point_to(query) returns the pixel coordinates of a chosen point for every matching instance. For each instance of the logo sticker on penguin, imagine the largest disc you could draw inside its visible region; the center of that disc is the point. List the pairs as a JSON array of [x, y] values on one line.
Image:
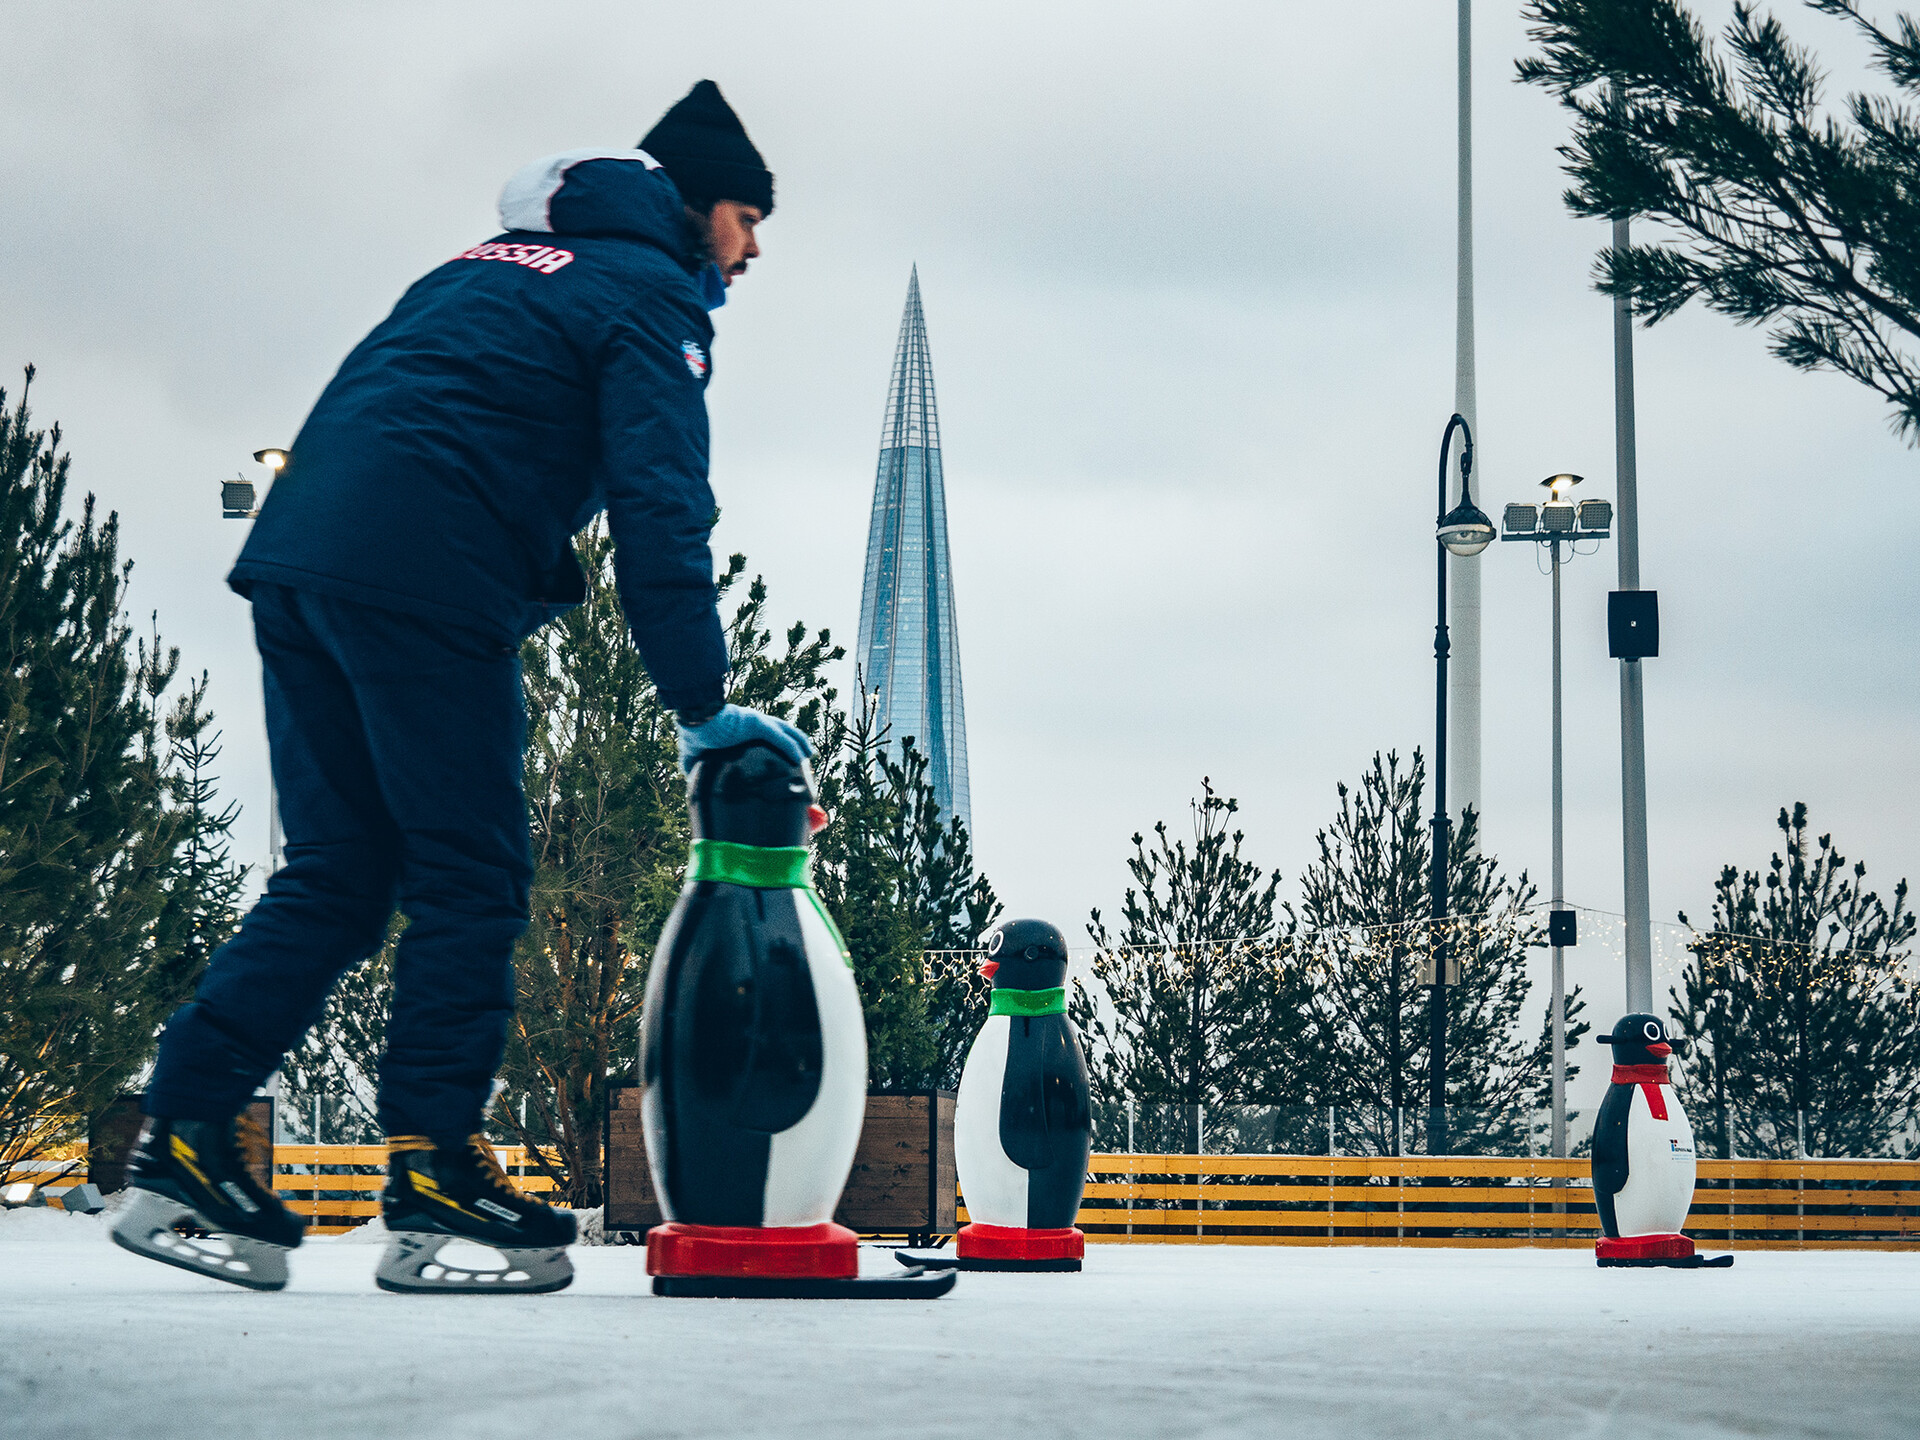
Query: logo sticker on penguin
[[695, 357]]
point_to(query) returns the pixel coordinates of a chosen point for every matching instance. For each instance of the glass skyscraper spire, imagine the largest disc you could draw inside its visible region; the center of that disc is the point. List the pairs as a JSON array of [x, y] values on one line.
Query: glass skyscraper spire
[[909, 647]]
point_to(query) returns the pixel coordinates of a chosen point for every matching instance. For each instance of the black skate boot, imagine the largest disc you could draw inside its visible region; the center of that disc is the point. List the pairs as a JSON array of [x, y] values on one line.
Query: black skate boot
[[195, 1171], [451, 1190]]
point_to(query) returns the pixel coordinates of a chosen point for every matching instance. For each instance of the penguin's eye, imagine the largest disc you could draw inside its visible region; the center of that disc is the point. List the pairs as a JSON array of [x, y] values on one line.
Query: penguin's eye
[[999, 939], [1651, 1029], [1032, 952]]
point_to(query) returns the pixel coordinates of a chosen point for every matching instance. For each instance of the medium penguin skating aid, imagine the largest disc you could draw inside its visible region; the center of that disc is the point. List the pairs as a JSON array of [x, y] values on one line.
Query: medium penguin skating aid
[[1022, 1127], [1643, 1156], [754, 1055]]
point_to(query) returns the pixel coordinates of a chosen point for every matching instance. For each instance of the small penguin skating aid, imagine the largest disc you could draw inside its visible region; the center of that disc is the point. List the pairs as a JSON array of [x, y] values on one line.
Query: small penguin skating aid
[[754, 1056], [1023, 1124], [1643, 1157]]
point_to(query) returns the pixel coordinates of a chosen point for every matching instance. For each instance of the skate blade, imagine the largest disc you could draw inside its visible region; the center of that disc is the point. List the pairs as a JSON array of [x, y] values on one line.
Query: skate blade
[[412, 1266], [146, 1228], [914, 1285], [1065, 1265]]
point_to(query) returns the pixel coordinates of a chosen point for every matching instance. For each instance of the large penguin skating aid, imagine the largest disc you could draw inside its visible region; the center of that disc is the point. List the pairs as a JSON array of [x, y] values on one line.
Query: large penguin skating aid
[[1022, 1127], [1643, 1156], [754, 1055]]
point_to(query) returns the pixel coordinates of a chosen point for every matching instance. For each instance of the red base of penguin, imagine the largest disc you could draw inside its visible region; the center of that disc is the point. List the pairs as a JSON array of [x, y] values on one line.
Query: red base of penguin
[[812, 1252], [1644, 1251], [778, 1262], [1643, 1247], [1006, 1247], [1005, 1242]]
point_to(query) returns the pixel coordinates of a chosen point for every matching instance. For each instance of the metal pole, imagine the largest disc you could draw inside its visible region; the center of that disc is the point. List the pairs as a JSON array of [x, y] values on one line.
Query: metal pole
[[1559, 888], [1465, 616], [1442, 821], [1633, 724]]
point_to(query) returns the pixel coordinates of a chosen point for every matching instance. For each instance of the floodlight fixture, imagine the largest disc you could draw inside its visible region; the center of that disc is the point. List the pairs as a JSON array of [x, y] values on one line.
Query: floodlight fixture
[[272, 457], [1558, 518], [21, 1192], [1596, 516], [1522, 519], [236, 499], [1558, 485]]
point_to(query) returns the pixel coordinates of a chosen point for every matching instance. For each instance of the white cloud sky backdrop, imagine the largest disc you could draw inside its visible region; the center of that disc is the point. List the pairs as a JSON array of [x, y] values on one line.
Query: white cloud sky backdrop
[[1189, 286]]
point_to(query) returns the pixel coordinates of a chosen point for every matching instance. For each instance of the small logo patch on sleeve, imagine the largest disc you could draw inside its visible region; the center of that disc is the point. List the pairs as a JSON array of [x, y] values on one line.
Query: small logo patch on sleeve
[[695, 357], [544, 258]]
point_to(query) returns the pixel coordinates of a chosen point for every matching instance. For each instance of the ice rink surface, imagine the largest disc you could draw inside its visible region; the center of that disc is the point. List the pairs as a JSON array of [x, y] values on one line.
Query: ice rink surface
[[1160, 1341]]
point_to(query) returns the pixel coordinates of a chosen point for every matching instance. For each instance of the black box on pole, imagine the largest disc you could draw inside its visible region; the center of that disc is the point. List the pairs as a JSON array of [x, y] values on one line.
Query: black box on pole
[[1633, 624], [1563, 929]]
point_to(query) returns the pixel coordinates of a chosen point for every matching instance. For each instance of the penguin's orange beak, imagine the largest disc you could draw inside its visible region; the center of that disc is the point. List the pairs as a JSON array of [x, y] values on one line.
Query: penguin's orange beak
[[1662, 1049], [989, 967], [816, 819]]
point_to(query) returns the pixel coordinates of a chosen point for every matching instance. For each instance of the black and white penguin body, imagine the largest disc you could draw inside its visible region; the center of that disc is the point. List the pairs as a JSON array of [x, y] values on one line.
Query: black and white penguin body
[[753, 1047], [1643, 1152], [1022, 1126]]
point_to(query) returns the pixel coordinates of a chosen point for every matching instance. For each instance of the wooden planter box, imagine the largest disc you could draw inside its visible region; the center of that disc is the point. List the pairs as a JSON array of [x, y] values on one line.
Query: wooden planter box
[[631, 1203], [903, 1180]]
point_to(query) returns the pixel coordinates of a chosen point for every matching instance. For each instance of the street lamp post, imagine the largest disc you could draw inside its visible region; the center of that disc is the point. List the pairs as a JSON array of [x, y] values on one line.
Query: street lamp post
[[1559, 521], [1463, 530], [238, 501]]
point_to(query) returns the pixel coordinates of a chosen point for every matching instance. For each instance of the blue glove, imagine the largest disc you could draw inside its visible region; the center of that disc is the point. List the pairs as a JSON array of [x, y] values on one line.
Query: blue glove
[[735, 725]]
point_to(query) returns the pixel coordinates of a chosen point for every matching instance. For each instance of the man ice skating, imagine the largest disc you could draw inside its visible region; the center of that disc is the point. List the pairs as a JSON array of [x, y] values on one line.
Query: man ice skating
[[421, 529]]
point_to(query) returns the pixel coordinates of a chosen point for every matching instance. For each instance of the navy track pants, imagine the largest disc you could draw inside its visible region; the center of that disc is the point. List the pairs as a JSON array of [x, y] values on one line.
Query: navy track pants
[[398, 750]]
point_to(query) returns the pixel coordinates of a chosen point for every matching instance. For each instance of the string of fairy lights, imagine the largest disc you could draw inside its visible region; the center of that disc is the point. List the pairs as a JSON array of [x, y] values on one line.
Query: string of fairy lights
[[1760, 963]]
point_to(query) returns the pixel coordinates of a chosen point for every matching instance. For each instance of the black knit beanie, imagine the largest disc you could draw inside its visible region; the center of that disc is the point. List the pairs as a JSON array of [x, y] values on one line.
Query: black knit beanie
[[704, 149]]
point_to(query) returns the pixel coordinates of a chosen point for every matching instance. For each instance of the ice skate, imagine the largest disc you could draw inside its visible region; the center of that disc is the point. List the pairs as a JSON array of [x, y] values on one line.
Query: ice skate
[[455, 1193], [194, 1171]]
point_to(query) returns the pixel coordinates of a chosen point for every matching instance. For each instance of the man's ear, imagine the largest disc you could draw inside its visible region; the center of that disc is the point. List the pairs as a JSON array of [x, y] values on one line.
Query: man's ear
[[697, 228]]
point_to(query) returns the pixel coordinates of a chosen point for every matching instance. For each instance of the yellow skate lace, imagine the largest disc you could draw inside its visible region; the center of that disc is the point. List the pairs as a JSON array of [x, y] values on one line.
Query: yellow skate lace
[[250, 1136], [490, 1165]]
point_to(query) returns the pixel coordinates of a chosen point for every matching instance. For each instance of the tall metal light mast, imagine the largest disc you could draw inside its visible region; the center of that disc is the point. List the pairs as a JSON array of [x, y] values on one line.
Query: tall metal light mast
[[1464, 595], [1633, 715]]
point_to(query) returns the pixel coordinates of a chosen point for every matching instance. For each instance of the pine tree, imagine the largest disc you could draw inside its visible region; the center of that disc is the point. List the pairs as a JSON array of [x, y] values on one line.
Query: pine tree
[[1799, 1008], [1776, 211], [1363, 929], [898, 876], [114, 879], [864, 873], [1191, 1006], [335, 1068], [202, 908]]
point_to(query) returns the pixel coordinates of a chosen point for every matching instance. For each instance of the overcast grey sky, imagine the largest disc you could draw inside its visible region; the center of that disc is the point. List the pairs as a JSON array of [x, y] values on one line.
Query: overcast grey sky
[[1189, 285]]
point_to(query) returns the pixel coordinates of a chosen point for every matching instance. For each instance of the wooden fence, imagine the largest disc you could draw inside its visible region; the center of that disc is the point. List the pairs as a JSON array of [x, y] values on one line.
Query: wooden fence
[[1314, 1200], [1468, 1201], [335, 1186]]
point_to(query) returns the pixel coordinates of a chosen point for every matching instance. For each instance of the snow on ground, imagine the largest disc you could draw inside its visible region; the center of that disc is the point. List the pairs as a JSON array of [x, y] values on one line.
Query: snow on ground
[[1152, 1341]]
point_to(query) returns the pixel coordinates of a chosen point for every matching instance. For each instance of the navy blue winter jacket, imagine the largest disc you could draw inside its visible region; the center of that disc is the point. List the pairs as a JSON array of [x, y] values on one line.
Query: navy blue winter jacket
[[513, 393]]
